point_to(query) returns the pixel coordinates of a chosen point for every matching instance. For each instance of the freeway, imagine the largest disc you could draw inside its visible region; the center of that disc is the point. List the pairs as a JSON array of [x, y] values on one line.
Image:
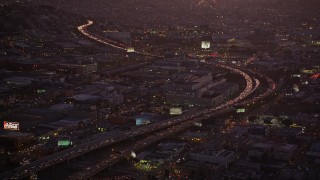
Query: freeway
[[224, 108], [109, 42], [103, 141], [184, 120], [272, 88], [114, 158], [188, 122], [109, 161]]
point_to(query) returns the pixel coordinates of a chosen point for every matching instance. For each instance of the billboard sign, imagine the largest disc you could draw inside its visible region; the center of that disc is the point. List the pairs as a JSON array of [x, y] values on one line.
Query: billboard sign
[[133, 154], [11, 125], [241, 110], [175, 111], [130, 49], [41, 91], [142, 121], [205, 44], [64, 143]]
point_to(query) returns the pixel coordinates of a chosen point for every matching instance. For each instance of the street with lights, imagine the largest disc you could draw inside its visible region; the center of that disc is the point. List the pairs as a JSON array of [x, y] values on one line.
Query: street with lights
[[163, 128], [147, 89]]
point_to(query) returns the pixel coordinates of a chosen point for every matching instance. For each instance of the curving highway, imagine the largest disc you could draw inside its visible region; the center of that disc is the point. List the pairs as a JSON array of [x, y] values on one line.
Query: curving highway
[[170, 126], [109, 42]]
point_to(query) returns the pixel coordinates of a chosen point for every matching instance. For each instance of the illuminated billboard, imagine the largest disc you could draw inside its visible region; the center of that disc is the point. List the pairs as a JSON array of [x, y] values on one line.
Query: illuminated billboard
[[133, 154], [11, 125], [142, 121], [41, 91], [205, 44], [130, 49], [175, 111], [242, 110], [64, 143]]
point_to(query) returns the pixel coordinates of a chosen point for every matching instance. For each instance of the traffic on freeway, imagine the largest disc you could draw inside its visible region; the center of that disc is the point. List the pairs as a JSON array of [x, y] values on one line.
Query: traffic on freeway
[[109, 42], [107, 139]]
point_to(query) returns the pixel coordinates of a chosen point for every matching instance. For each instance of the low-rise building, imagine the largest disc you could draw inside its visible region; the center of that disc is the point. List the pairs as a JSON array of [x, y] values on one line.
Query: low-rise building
[[314, 154], [261, 151], [285, 152], [194, 136], [78, 67], [222, 157]]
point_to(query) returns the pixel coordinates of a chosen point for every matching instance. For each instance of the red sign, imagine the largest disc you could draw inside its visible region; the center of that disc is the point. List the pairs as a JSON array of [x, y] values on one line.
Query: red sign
[[11, 125]]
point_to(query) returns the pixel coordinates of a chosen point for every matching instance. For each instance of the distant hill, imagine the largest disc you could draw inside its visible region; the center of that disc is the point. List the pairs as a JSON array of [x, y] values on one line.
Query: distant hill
[[170, 11], [63, 13]]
